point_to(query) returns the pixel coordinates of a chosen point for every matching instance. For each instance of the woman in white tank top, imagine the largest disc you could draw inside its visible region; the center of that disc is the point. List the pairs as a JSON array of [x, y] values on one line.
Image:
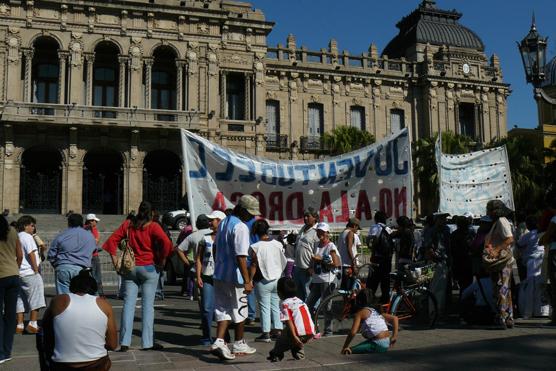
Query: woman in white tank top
[[79, 327]]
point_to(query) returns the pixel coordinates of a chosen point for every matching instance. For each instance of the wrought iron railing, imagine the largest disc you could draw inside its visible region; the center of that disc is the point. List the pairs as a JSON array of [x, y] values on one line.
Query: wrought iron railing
[[313, 144], [276, 142]]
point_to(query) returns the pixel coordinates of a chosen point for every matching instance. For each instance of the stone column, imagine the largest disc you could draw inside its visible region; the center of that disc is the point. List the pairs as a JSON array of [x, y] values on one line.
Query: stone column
[[192, 81], [72, 181], [10, 172], [28, 84], [133, 174], [179, 85], [62, 58], [148, 76], [121, 81], [247, 97], [89, 83], [223, 108], [77, 93]]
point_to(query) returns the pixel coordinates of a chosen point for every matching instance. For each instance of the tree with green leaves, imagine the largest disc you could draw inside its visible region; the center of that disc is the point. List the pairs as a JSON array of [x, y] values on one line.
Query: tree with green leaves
[[345, 139]]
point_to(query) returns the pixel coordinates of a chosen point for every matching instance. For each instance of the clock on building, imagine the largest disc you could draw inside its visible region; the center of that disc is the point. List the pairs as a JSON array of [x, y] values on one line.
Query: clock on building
[[466, 69]]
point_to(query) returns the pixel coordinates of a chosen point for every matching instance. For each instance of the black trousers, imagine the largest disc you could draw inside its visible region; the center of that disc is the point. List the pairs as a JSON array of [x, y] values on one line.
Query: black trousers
[[552, 276], [381, 275]]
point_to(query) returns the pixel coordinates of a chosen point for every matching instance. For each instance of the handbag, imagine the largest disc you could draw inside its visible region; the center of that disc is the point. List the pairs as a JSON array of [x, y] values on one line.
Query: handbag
[[496, 262], [126, 260]]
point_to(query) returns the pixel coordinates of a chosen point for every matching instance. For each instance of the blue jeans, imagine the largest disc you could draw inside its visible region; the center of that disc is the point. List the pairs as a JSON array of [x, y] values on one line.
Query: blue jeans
[[9, 287], [64, 274], [269, 305], [146, 278], [207, 302], [302, 279], [251, 306]]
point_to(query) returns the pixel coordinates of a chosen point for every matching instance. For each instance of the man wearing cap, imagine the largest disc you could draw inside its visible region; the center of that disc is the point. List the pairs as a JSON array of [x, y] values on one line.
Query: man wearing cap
[[232, 283], [348, 250], [70, 252], [91, 221]]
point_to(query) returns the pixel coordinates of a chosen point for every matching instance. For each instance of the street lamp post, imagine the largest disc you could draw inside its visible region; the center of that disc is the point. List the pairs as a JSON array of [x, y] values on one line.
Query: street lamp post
[[533, 55]]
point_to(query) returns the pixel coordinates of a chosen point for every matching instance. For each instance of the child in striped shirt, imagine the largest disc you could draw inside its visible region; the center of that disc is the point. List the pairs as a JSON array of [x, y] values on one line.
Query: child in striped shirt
[[298, 325]]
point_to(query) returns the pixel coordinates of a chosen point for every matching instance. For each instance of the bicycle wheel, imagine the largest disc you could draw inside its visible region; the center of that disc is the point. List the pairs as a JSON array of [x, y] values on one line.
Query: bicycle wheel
[[416, 308], [334, 313]]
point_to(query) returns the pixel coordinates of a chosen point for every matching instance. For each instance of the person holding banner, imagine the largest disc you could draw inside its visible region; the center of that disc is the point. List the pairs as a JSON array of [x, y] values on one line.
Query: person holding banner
[[306, 239], [326, 271], [232, 283]]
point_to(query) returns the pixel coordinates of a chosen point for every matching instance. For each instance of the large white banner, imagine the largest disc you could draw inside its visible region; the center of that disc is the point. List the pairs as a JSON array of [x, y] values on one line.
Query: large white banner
[[354, 184], [468, 181]]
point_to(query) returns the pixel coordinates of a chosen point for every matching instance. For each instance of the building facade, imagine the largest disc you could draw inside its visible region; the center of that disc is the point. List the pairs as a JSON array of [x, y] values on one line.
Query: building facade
[[92, 94]]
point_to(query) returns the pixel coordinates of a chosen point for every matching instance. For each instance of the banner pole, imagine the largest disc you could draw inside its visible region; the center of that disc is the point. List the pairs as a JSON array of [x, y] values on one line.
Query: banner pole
[[411, 179], [190, 204]]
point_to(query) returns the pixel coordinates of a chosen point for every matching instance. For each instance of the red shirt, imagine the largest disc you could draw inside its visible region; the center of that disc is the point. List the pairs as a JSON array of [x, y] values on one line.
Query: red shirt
[[95, 233], [141, 241]]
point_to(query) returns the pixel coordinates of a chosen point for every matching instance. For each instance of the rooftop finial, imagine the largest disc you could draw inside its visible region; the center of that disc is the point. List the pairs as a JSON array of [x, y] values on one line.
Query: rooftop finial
[[533, 22], [428, 4]]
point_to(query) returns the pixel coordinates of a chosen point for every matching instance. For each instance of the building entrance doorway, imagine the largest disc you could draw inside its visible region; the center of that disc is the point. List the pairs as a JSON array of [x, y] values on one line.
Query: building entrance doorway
[[162, 184], [40, 181], [103, 182]]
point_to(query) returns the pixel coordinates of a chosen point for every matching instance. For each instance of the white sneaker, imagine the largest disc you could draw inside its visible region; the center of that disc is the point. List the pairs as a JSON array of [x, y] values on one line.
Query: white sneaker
[[221, 350], [241, 347], [5, 360]]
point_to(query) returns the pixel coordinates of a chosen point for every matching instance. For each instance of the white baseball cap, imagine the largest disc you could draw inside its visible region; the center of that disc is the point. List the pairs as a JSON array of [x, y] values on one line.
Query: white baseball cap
[[323, 227], [92, 217], [216, 214]]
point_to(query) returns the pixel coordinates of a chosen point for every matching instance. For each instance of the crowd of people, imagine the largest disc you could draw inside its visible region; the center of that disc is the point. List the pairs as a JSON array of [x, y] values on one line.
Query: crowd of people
[[234, 263]]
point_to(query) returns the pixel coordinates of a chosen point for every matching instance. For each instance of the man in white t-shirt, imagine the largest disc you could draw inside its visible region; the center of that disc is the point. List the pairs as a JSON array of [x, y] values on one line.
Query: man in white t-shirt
[[31, 295], [232, 283]]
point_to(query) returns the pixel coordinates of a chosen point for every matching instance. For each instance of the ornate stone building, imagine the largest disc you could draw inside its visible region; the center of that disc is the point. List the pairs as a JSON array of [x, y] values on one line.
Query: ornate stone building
[[92, 94]]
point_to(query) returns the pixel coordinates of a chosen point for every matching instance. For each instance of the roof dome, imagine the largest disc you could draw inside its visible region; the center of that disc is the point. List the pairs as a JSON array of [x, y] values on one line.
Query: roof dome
[[428, 24]]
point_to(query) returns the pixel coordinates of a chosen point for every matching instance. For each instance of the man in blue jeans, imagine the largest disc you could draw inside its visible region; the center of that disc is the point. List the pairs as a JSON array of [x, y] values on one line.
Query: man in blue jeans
[[70, 252]]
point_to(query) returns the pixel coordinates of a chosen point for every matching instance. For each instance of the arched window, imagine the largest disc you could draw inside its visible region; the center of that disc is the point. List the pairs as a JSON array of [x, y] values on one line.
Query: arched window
[[105, 78], [163, 80], [45, 71], [316, 120], [272, 117], [357, 117], [397, 120]]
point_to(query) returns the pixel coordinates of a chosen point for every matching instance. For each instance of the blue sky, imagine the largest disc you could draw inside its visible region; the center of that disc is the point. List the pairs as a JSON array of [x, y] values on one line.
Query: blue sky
[[355, 24]]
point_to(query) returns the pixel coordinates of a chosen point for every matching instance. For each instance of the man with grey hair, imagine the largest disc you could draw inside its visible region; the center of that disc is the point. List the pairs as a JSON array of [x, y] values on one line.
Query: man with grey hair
[[304, 248], [232, 282]]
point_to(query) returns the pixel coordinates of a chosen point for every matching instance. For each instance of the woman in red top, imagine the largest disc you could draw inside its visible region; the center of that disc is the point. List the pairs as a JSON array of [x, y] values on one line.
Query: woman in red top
[[91, 225], [143, 235]]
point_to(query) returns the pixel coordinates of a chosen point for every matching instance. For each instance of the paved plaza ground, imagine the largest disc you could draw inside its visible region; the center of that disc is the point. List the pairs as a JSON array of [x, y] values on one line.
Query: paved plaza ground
[[449, 347]]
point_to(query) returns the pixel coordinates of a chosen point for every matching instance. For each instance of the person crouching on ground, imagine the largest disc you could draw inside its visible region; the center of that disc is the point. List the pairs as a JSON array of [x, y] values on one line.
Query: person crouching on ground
[[79, 328], [373, 328], [298, 325]]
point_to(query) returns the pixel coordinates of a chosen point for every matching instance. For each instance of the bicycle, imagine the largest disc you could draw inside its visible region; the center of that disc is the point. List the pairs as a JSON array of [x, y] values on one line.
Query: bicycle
[[338, 308], [413, 304]]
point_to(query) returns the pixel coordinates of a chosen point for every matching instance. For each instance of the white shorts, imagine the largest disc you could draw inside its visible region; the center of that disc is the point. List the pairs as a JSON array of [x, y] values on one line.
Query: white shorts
[[230, 303], [31, 293]]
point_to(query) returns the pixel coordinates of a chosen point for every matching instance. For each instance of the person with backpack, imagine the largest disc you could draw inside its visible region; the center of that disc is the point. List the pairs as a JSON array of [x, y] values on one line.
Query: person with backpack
[[382, 246]]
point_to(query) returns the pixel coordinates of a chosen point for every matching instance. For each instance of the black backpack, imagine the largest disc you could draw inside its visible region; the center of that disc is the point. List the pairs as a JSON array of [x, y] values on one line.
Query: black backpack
[[383, 245]]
